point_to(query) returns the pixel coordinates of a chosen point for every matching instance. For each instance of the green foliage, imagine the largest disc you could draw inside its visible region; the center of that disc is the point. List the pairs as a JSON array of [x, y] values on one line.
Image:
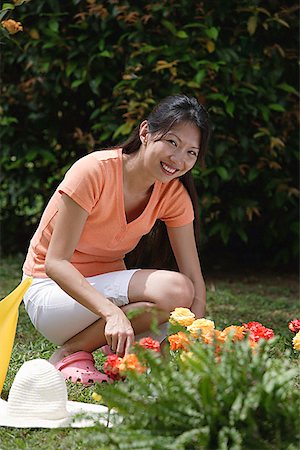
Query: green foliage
[[242, 400], [84, 73], [230, 301]]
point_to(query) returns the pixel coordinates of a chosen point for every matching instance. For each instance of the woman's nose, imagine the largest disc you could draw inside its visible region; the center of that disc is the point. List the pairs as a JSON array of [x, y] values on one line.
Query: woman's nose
[[178, 159]]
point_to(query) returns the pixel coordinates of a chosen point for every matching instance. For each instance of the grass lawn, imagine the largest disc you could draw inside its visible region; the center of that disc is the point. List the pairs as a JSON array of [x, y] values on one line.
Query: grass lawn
[[233, 298]]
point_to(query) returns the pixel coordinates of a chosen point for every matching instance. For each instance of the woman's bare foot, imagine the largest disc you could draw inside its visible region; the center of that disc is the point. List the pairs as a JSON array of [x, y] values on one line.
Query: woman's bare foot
[[58, 355]]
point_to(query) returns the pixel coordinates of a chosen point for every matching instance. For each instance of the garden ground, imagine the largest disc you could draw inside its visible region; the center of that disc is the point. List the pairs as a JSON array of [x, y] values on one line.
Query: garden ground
[[234, 297]]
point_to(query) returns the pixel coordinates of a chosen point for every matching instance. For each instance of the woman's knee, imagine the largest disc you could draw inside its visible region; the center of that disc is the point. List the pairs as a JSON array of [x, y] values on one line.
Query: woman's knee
[[166, 289], [181, 291]]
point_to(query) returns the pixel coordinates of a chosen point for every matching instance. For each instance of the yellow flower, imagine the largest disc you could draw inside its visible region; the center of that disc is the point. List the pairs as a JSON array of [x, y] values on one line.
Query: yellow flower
[[12, 26], [296, 341], [206, 326], [97, 397], [183, 316], [185, 356]]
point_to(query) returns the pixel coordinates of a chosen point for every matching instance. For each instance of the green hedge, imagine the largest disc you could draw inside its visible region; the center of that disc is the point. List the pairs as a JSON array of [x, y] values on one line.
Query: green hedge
[[83, 73]]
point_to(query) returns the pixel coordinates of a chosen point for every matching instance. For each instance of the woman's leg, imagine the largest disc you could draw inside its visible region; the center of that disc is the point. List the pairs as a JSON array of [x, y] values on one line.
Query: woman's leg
[[155, 292], [165, 289], [92, 337]]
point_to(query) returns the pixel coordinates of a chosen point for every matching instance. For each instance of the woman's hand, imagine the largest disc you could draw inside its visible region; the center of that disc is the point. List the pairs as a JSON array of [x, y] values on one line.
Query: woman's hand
[[119, 333]]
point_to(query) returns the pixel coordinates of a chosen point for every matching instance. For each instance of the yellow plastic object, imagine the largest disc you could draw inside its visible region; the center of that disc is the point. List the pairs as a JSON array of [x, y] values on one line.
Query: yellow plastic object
[[9, 313]]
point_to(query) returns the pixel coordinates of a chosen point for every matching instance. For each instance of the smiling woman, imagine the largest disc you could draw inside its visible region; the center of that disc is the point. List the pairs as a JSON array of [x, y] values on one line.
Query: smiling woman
[[82, 291]]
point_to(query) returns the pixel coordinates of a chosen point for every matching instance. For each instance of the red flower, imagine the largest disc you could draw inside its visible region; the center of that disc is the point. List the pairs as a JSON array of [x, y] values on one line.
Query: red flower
[[148, 342], [294, 325], [257, 331], [112, 367]]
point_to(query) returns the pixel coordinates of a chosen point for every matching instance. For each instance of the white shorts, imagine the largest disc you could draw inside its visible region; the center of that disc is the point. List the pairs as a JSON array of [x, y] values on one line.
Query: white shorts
[[59, 317]]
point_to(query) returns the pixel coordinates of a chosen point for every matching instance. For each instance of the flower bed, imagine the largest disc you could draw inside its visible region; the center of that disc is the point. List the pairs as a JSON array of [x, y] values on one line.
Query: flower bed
[[211, 389]]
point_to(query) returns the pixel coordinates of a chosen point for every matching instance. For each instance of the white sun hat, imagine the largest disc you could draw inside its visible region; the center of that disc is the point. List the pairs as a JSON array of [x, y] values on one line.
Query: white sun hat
[[38, 399]]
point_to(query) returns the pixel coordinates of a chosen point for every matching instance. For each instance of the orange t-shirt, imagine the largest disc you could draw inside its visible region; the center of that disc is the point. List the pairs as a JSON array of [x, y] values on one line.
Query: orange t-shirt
[[95, 182]]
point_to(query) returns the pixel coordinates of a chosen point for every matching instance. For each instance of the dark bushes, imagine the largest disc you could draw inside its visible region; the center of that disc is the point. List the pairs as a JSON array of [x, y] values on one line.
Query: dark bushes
[[83, 73]]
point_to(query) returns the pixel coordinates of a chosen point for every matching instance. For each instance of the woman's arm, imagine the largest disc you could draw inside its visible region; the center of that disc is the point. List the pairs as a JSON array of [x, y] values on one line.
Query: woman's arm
[[68, 227], [183, 244]]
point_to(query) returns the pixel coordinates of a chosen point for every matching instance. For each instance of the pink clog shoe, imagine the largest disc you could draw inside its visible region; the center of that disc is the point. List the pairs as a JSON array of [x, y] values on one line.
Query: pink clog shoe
[[80, 368]]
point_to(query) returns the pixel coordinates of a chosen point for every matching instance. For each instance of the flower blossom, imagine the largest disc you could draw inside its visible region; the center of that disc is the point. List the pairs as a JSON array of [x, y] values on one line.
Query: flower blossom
[[183, 316], [12, 26], [97, 397], [296, 341], [237, 333], [131, 362], [111, 367], [294, 325], [204, 325], [149, 343], [257, 331], [179, 341]]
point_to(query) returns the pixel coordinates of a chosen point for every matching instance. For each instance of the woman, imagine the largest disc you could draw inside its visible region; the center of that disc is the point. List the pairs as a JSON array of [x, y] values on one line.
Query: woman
[[82, 292]]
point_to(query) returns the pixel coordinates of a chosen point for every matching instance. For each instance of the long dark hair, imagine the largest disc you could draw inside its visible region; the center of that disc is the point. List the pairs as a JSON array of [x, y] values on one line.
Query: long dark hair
[[154, 249]]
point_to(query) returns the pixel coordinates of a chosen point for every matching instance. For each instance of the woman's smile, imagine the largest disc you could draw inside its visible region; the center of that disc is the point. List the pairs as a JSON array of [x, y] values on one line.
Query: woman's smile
[[168, 170]]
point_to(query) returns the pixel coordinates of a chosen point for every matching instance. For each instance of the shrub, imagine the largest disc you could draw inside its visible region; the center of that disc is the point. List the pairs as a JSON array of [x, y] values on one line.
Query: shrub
[[240, 400], [83, 73]]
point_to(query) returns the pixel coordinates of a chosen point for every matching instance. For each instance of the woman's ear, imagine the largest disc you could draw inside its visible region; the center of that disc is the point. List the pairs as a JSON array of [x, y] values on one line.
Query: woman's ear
[[144, 132]]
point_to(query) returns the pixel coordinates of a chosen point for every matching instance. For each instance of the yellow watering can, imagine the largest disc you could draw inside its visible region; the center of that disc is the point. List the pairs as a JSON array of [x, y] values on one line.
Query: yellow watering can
[[9, 313]]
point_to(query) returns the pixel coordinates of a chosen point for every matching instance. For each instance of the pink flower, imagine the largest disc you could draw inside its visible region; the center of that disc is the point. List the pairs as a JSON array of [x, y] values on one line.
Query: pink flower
[[148, 342], [294, 325], [257, 331]]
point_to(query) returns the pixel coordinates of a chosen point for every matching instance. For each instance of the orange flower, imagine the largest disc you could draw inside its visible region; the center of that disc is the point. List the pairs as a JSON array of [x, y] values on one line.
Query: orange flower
[[220, 336], [208, 336], [131, 362], [179, 341], [12, 26], [237, 332]]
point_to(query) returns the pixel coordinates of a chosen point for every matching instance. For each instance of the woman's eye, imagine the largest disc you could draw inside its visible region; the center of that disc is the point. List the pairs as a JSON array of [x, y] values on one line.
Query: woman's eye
[[192, 153], [173, 142]]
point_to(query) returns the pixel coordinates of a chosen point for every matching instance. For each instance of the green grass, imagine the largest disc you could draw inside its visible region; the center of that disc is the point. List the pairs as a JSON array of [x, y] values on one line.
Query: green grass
[[232, 299]]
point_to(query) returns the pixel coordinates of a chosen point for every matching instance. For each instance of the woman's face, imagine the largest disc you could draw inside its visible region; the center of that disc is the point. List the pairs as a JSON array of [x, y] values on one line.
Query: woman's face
[[173, 154]]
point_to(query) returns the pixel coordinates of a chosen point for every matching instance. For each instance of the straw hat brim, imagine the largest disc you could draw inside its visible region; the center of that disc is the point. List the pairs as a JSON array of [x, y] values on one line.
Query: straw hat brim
[[80, 415]]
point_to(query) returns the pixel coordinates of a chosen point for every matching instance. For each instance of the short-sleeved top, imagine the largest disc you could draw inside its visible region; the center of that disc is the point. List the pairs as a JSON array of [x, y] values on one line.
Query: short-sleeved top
[[95, 182]]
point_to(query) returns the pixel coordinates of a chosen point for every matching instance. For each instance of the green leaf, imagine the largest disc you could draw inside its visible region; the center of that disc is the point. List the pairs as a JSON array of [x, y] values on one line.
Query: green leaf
[[287, 88], [212, 33], [276, 107], [7, 6], [230, 107], [251, 25], [182, 34], [242, 234], [169, 26], [253, 173], [3, 13], [76, 83], [217, 96], [71, 66], [53, 25], [223, 173], [200, 76], [106, 54], [123, 129]]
